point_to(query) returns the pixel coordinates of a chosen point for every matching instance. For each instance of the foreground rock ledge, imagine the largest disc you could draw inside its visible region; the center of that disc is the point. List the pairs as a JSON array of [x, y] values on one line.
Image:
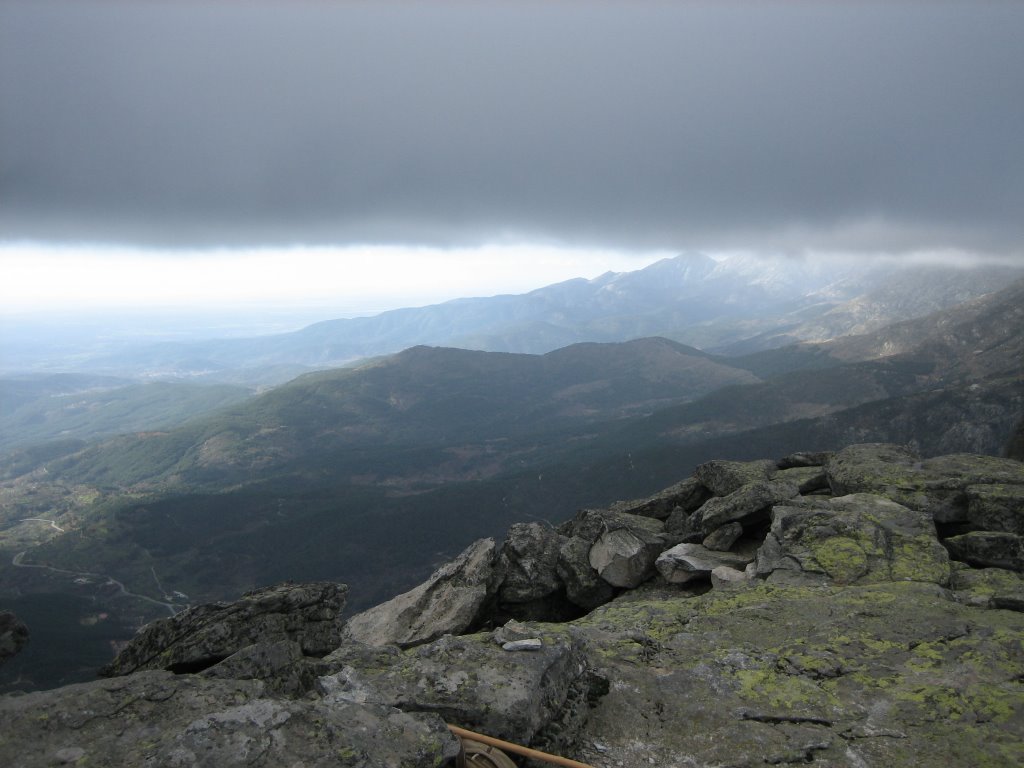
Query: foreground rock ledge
[[881, 624]]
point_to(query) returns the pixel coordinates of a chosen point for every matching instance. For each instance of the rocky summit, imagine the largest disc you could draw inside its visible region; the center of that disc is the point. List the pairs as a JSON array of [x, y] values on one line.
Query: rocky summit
[[863, 608]]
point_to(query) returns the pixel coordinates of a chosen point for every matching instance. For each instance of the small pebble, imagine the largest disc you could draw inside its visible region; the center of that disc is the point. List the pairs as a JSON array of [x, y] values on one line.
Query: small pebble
[[531, 644]]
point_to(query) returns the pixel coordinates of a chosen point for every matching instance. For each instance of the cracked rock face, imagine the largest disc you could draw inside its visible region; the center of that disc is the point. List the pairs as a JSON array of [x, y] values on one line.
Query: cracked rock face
[[885, 674], [160, 719], [447, 602], [473, 682], [199, 637], [858, 538], [856, 639]]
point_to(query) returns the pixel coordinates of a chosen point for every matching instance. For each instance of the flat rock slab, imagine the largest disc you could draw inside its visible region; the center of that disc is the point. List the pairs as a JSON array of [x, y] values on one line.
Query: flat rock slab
[[691, 562], [469, 681], [748, 502], [722, 477], [446, 603], [860, 538], [892, 674], [996, 507], [686, 495], [160, 719], [989, 587], [197, 638], [988, 549], [938, 486]]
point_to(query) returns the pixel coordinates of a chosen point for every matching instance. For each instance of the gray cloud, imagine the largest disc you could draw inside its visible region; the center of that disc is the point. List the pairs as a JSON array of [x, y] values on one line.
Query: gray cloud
[[636, 125]]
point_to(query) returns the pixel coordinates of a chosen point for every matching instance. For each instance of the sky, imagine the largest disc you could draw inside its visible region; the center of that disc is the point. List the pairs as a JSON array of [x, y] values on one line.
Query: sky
[[374, 154]]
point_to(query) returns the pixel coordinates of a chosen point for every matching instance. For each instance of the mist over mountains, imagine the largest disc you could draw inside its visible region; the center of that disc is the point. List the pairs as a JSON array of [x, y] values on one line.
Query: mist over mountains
[[374, 473], [733, 305]]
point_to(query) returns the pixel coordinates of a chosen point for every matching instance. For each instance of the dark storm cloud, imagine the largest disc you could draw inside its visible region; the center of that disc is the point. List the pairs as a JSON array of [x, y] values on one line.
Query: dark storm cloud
[[777, 126]]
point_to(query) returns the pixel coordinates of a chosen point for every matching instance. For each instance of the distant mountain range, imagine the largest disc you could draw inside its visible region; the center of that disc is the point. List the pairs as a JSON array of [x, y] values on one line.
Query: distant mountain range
[[734, 305]]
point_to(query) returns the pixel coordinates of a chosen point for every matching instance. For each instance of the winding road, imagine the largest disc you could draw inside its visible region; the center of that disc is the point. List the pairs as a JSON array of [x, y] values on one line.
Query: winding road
[[16, 562]]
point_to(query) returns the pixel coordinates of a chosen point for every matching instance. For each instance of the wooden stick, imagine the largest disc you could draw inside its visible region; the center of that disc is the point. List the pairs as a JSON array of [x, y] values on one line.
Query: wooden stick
[[516, 749]]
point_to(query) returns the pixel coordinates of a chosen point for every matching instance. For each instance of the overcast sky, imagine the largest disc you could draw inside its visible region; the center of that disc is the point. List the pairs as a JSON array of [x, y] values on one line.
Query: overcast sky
[[630, 129]]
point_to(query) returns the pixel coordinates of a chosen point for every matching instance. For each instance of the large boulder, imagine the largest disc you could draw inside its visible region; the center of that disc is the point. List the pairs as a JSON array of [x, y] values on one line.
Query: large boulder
[[989, 587], [692, 562], [527, 563], [13, 635], [160, 719], [201, 636], [624, 556], [528, 697], [996, 507], [280, 666], [988, 549], [448, 602], [584, 586], [686, 495], [622, 547], [747, 503], [722, 477], [938, 486], [889, 674], [860, 538]]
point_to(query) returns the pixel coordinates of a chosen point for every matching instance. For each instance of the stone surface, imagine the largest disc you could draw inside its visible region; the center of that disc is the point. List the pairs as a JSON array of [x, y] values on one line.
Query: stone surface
[[692, 562], [723, 477], [280, 666], [889, 674], [937, 486], [448, 602], [721, 539], [805, 459], [806, 479], [160, 719], [687, 495], [984, 549], [724, 577], [749, 502], [527, 698], [996, 507], [584, 586], [989, 587], [625, 557], [199, 637], [13, 635], [860, 538], [529, 644], [527, 563]]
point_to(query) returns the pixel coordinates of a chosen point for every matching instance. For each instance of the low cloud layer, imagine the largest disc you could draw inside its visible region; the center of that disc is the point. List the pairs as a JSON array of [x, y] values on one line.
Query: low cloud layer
[[770, 126]]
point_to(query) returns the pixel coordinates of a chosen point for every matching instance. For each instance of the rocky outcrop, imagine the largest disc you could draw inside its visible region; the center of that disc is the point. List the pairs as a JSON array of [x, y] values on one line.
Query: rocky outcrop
[[474, 682], [939, 486], [859, 538], [887, 674], [693, 562], [199, 637], [985, 549], [848, 610], [528, 563], [448, 602], [13, 635], [723, 477], [623, 558], [161, 719], [749, 503]]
